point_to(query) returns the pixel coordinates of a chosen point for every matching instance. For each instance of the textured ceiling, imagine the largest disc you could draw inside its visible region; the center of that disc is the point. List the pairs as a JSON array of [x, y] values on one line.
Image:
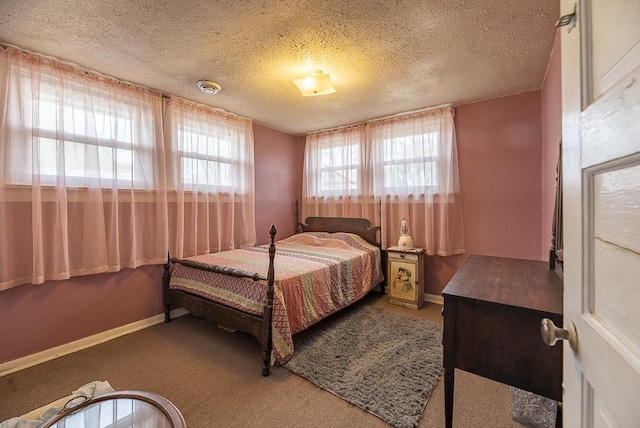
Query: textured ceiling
[[384, 57]]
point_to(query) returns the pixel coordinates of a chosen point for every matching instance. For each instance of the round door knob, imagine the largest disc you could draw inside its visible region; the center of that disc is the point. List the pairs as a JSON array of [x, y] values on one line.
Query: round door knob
[[551, 334]]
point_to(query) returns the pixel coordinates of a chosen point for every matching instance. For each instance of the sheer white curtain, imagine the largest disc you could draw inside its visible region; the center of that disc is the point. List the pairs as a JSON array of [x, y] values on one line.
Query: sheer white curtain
[[335, 182], [386, 170], [82, 172], [415, 176], [211, 176]]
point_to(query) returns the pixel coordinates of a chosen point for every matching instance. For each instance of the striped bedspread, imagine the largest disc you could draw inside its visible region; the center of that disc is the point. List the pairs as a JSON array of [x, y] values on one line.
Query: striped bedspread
[[316, 274]]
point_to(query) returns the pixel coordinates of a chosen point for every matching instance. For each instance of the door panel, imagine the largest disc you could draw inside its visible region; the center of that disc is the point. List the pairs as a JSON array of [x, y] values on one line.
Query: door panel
[[615, 305], [617, 206], [614, 36], [610, 126], [608, 370], [615, 251]]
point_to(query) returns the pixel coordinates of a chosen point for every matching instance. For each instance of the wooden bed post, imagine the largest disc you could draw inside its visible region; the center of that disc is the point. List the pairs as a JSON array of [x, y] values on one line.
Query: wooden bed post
[[165, 290], [267, 343]]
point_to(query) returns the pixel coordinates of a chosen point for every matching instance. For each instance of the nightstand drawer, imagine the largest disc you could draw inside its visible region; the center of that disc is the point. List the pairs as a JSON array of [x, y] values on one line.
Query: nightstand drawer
[[410, 257]]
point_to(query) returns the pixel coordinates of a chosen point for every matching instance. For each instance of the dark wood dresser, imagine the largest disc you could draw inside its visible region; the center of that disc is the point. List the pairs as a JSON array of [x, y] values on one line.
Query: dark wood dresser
[[493, 307]]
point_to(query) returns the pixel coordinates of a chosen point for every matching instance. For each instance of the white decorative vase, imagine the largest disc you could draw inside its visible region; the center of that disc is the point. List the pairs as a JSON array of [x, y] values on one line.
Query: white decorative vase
[[405, 242]]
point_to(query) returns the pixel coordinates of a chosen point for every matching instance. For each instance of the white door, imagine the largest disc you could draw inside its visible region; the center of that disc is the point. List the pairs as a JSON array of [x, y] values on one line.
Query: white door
[[601, 204]]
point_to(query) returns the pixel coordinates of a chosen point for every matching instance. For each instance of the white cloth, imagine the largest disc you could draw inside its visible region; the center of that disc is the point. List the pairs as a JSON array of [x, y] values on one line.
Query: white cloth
[[403, 167], [36, 417]]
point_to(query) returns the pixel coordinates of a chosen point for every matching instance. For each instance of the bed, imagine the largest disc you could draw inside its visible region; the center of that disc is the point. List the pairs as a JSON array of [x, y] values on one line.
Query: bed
[[329, 264]]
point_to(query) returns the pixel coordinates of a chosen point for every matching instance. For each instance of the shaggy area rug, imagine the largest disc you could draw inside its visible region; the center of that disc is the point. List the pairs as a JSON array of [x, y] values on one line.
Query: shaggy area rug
[[383, 362]]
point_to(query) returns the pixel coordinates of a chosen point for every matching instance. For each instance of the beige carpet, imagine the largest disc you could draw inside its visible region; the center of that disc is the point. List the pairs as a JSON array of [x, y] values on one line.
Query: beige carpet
[[213, 377]]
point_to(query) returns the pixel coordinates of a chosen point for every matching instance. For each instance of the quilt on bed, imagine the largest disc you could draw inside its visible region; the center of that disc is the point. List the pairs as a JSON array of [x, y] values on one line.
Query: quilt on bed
[[316, 274]]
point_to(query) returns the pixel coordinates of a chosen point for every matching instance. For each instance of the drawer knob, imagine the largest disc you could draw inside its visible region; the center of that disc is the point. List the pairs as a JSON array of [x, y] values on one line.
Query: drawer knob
[[551, 334]]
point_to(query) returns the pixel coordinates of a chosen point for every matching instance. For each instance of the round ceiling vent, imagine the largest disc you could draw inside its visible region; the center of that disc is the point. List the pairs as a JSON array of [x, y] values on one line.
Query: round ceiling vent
[[209, 87]]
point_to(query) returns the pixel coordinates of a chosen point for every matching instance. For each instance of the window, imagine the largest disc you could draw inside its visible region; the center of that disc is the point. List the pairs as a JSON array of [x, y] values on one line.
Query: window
[[206, 159], [88, 139], [375, 160], [411, 162], [339, 168], [95, 144], [333, 161], [210, 151], [400, 167]]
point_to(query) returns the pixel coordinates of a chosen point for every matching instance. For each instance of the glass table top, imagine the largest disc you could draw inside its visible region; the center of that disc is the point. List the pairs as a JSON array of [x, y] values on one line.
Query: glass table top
[[118, 410]]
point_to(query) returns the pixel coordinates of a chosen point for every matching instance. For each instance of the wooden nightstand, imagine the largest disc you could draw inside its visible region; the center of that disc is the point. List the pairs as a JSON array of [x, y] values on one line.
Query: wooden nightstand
[[405, 276]]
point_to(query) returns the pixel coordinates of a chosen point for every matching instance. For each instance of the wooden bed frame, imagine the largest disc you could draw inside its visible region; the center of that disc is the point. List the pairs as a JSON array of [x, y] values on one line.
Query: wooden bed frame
[[256, 325]]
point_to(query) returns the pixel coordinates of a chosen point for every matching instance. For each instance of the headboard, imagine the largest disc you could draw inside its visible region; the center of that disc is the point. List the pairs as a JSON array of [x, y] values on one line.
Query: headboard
[[359, 226]]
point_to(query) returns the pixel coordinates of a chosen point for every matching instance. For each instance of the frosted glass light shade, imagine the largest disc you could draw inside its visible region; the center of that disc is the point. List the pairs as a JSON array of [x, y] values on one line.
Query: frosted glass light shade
[[316, 83]]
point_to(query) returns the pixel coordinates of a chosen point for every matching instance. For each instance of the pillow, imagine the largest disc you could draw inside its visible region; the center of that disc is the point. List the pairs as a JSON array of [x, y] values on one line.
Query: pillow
[[316, 234]]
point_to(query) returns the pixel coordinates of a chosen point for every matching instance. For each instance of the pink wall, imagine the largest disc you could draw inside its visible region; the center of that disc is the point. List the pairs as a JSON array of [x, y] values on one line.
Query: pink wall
[[499, 151], [278, 173], [34, 318], [499, 143], [551, 135]]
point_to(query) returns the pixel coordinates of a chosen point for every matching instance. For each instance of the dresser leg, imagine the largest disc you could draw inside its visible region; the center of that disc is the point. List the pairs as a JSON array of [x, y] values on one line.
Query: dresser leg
[[448, 397]]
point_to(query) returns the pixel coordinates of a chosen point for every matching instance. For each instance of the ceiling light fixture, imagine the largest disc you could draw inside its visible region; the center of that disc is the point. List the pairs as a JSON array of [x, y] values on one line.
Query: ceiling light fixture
[[315, 83], [209, 87]]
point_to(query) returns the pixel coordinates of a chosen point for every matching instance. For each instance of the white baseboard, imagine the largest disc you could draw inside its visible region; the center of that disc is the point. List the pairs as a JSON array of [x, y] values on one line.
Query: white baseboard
[[87, 342], [434, 298]]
